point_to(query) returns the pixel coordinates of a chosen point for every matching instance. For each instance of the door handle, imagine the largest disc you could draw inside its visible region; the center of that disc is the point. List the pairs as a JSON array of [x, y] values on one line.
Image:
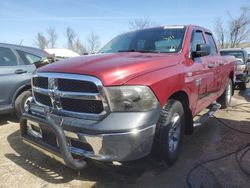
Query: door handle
[[20, 71], [210, 66]]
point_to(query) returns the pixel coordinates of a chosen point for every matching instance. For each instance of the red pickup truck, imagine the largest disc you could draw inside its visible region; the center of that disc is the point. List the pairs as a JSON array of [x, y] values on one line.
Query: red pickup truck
[[137, 96]]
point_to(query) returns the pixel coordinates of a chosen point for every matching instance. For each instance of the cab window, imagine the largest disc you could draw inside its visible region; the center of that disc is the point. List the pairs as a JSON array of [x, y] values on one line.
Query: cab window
[[212, 44], [197, 38]]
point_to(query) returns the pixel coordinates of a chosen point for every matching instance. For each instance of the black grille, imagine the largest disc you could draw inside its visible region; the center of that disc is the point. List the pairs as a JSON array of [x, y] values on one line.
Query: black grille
[[43, 99], [67, 85], [76, 86], [41, 82], [82, 106]]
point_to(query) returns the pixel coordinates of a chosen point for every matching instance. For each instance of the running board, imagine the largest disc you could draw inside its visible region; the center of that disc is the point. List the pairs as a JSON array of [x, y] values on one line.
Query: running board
[[212, 109]]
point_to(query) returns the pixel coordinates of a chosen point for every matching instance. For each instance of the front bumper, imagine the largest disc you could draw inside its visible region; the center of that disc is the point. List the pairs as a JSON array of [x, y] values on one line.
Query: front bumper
[[72, 147]]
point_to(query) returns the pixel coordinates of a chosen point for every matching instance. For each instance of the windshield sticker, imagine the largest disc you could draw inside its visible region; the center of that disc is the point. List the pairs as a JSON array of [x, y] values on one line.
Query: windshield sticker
[[168, 38], [172, 49]]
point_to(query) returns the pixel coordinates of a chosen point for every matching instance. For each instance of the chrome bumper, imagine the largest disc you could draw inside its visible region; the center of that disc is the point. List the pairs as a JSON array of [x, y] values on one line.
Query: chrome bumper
[[118, 146], [125, 146]]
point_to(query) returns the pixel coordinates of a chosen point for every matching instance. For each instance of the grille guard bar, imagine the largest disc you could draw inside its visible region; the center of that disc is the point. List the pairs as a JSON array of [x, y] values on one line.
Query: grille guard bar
[[64, 148]]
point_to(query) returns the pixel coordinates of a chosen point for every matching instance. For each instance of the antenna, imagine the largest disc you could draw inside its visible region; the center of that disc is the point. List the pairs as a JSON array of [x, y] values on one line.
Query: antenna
[[21, 42]]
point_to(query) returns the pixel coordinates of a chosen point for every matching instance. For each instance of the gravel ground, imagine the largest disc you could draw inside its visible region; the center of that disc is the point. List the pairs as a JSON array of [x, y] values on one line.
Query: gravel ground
[[21, 166]]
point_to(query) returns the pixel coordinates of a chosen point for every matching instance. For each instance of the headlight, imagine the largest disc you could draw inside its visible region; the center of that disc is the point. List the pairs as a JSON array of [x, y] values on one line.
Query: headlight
[[241, 68], [131, 99]]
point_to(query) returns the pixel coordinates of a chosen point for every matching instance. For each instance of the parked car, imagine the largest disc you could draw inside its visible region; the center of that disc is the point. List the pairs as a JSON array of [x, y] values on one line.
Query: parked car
[[61, 53], [17, 64], [243, 66], [248, 52], [137, 96]]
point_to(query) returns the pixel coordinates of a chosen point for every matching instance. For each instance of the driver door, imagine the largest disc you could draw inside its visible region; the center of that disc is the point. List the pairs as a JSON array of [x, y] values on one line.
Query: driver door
[[203, 72]]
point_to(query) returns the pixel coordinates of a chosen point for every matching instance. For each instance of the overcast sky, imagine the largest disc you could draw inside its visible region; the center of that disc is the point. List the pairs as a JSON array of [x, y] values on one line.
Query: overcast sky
[[21, 20]]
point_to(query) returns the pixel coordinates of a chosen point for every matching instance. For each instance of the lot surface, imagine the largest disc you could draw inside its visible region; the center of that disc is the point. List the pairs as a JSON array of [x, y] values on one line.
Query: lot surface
[[21, 166]]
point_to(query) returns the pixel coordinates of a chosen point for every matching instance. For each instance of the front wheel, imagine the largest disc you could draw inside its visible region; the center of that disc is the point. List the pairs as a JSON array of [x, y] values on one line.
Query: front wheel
[[169, 132], [225, 98], [22, 102]]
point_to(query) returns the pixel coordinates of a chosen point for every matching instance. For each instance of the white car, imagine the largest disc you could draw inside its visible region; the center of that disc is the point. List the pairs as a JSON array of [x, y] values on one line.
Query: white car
[[61, 53]]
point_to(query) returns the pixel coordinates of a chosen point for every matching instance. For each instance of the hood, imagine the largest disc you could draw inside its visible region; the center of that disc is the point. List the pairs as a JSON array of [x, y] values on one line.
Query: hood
[[113, 69]]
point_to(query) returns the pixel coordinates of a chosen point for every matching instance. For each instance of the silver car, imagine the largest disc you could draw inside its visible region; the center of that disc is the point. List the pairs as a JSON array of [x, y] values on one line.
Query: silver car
[[17, 64]]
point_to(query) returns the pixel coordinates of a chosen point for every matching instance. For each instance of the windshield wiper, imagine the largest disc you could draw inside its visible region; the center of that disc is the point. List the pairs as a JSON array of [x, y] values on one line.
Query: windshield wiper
[[140, 51]]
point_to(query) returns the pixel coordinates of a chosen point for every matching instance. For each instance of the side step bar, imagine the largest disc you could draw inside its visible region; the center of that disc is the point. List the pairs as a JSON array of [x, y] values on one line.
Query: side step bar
[[202, 119]]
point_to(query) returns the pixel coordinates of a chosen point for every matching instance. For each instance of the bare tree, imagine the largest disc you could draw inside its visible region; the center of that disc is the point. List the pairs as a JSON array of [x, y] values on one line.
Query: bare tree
[[79, 47], [140, 23], [71, 37], [93, 43], [236, 31], [239, 27], [42, 42], [220, 32], [52, 37]]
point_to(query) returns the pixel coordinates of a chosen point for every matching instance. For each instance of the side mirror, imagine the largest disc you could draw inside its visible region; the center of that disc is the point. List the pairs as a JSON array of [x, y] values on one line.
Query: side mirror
[[45, 61], [201, 50], [41, 63]]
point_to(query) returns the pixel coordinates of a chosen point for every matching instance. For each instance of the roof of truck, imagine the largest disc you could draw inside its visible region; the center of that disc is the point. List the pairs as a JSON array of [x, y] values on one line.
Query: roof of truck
[[172, 26]]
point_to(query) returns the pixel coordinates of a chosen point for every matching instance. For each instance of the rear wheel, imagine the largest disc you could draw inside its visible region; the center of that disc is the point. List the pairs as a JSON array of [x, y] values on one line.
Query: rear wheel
[[225, 98], [22, 102], [169, 132]]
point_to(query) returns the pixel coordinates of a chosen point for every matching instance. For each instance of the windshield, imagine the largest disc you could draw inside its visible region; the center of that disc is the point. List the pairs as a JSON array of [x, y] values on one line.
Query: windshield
[[158, 40], [237, 54]]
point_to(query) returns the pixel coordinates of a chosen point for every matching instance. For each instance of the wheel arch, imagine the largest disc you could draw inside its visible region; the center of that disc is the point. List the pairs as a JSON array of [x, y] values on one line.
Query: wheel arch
[[183, 97], [19, 91], [231, 76]]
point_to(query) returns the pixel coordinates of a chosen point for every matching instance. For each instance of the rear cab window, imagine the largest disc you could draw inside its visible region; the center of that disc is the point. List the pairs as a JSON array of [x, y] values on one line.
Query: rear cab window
[[212, 44]]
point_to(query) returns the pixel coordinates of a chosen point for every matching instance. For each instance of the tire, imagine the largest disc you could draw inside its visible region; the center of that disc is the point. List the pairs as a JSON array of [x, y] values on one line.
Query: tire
[[225, 98], [243, 86], [168, 140], [21, 102]]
